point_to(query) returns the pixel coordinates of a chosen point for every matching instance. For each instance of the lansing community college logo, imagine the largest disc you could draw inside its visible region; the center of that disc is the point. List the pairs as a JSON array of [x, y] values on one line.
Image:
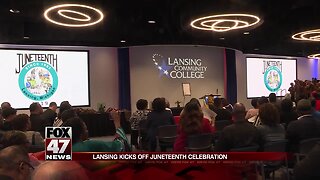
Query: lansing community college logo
[[38, 79], [273, 75], [179, 68]]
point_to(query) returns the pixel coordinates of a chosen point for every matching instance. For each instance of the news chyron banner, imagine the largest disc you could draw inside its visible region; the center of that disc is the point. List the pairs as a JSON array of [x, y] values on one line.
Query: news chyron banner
[[58, 143]]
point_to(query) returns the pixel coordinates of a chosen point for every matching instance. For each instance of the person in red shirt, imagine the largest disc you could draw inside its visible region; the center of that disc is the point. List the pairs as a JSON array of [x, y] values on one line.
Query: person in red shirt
[[191, 123]]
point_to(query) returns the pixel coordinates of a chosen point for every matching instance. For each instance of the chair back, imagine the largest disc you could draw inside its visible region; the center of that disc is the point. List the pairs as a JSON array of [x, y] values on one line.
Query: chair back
[[253, 148], [219, 125], [201, 142], [276, 146], [307, 144], [167, 133]]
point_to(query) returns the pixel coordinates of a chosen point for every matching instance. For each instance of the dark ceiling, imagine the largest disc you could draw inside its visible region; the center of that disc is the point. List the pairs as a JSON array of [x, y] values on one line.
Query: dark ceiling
[[128, 20]]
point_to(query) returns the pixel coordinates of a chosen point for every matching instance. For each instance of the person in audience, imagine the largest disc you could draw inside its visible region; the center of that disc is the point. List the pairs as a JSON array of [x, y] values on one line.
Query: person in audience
[[8, 114], [12, 138], [304, 128], [273, 100], [64, 105], [67, 114], [315, 114], [14, 164], [207, 113], [270, 129], [50, 114], [308, 167], [222, 114], [37, 122], [22, 123], [226, 105], [316, 97], [256, 119], [80, 142], [58, 170], [140, 115], [239, 134], [167, 105], [5, 105], [292, 91], [287, 113], [156, 118], [192, 123], [254, 111]]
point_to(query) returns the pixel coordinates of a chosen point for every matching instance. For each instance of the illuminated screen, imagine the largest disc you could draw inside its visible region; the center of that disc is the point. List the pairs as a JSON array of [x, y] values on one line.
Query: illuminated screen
[[44, 76], [269, 75]]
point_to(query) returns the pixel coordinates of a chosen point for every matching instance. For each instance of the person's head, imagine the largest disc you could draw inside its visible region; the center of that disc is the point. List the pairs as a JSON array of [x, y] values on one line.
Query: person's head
[[56, 170], [239, 111], [191, 118], [68, 114], [224, 102], [53, 106], [287, 96], [65, 105], [79, 129], [272, 97], [142, 104], [195, 100], [35, 108], [217, 102], [254, 103], [269, 114], [286, 105], [12, 138], [291, 84], [21, 122], [304, 107], [159, 105], [15, 163], [5, 105], [9, 113], [262, 100]]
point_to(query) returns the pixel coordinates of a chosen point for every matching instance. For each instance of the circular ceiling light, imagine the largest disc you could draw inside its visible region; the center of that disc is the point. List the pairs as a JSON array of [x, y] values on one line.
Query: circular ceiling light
[[311, 35], [225, 22], [73, 15], [314, 56]]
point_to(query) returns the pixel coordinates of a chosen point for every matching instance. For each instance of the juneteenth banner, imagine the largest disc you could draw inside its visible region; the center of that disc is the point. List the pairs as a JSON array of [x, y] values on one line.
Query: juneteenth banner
[[174, 156]]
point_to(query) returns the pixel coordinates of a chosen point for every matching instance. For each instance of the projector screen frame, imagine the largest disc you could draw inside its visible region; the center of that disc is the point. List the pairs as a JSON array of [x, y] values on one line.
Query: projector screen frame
[[279, 58], [58, 49]]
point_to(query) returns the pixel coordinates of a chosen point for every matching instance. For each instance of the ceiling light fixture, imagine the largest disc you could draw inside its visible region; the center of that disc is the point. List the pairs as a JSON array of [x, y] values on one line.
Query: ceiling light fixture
[[122, 41], [91, 17], [26, 37], [246, 33], [314, 56], [311, 35], [151, 22], [225, 22], [15, 11], [222, 38]]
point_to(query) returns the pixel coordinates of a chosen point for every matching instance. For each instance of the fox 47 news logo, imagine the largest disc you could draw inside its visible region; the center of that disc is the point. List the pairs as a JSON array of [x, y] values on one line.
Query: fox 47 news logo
[[58, 143]]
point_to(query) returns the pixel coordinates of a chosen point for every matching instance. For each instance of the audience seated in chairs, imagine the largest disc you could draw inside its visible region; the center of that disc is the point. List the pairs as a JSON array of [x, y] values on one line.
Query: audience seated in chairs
[[191, 123], [304, 128], [256, 119], [239, 134], [15, 164], [22, 123], [270, 129], [254, 111], [140, 115], [222, 113], [80, 142], [8, 114], [64, 105], [159, 116], [37, 122], [287, 113], [50, 114]]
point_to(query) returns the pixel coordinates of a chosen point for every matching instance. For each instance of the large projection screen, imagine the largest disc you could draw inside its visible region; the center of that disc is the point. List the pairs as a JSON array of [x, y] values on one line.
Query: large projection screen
[[269, 75], [44, 76]]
